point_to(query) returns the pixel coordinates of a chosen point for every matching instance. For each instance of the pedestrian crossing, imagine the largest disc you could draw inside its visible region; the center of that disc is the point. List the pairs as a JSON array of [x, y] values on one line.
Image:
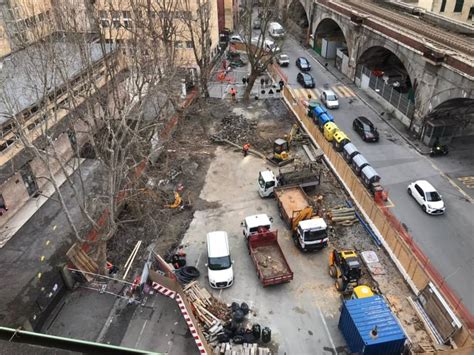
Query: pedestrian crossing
[[467, 181], [339, 90]]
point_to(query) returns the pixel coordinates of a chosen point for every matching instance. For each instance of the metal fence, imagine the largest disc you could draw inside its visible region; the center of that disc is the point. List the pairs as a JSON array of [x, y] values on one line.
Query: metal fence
[[400, 101]]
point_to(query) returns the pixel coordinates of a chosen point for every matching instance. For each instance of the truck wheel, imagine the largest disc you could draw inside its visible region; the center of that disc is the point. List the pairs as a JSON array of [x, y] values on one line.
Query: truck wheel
[[339, 285], [332, 271]]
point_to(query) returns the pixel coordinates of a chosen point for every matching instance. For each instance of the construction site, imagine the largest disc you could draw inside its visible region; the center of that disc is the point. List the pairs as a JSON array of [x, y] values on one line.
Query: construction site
[[287, 291]]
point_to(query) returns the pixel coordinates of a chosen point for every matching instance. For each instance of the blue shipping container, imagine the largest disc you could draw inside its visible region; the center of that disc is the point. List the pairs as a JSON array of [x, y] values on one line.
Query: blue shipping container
[[359, 318]]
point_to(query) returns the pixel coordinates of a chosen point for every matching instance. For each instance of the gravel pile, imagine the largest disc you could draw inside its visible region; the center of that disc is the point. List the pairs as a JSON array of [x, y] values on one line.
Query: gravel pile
[[237, 129]]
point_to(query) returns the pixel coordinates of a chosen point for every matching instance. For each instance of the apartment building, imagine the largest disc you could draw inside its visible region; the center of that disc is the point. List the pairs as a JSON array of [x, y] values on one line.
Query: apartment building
[[161, 21], [460, 10], [228, 13]]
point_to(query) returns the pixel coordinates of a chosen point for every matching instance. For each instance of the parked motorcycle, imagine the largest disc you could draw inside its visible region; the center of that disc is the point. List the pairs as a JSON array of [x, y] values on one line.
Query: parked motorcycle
[[439, 149]]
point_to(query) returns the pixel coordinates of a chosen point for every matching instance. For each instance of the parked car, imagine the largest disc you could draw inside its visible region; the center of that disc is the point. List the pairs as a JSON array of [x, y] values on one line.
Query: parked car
[[303, 64], [306, 80], [329, 99], [236, 39], [219, 263], [283, 60], [257, 24], [365, 129], [427, 197]]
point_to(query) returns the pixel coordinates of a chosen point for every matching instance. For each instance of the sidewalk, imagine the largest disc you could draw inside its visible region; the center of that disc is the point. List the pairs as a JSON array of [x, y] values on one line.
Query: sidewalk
[[374, 103]]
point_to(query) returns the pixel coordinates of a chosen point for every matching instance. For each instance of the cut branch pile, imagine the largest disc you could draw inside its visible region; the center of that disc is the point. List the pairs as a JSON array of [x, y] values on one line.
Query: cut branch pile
[[238, 129], [344, 216], [211, 312]]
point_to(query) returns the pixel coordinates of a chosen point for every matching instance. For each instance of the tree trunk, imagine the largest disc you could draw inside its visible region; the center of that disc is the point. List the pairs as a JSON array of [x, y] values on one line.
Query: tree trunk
[[101, 257], [250, 83]]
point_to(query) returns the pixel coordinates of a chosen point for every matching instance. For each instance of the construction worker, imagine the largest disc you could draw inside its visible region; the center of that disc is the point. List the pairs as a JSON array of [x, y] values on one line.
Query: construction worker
[[245, 149], [233, 93]]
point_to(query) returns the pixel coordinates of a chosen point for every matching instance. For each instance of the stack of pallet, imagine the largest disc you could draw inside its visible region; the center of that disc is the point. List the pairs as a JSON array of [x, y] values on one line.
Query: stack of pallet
[[241, 349], [208, 310], [342, 215]]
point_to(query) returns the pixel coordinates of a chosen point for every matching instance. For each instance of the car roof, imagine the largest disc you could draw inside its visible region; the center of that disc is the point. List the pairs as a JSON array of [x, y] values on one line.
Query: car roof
[[425, 185], [365, 120], [302, 58], [306, 75], [329, 92], [220, 244], [257, 220], [267, 175]]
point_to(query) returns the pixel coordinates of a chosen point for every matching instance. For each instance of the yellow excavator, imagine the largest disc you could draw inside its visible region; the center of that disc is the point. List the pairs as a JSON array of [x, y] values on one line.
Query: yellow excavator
[[345, 267], [281, 148]]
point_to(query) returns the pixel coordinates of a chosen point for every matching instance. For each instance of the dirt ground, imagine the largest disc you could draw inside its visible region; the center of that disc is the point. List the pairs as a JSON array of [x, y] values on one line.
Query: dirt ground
[[184, 163]]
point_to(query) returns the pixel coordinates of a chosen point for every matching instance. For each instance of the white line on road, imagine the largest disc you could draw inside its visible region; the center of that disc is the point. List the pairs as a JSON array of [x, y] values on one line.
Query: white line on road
[[327, 329], [443, 174], [198, 259]]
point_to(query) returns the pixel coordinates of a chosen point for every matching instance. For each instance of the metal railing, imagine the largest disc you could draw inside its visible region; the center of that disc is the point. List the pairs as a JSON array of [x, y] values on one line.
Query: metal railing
[[400, 101]]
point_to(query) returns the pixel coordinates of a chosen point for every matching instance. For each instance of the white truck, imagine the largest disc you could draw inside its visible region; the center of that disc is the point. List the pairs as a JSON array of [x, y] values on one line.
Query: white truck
[[276, 30], [255, 223], [306, 176]]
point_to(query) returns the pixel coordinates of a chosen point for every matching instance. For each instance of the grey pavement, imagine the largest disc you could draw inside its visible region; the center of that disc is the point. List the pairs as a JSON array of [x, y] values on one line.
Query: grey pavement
[[446, 240], [302, 314], [47, 234]]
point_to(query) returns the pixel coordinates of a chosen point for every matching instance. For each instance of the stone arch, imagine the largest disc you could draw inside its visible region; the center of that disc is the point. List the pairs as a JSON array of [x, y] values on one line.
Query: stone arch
[[394, 62], [296, 18], [450, 94], [329, 26]]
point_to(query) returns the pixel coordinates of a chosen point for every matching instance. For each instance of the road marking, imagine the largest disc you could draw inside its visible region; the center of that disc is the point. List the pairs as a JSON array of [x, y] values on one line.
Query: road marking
[[198, 259], [327, 329], [467, 181], [389, 203], [466, 196], [347, 91], [339, 91]]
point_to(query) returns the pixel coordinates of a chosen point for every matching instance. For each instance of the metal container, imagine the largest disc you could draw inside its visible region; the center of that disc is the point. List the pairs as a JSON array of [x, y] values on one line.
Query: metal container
[[340, 140], [349, 151], [358, 163], [369, 176], [329, 129], [369, 327]]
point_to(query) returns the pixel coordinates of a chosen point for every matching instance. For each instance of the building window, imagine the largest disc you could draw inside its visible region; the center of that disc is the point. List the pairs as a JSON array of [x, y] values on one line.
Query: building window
[[458, 5], [178, 44], [189, 44], [104, 23], [443, 6], [471, 14]]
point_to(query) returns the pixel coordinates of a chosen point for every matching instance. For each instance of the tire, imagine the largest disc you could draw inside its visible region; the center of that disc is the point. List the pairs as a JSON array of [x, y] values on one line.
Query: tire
[[409, 191], [191, 271], [238, 339], [339, 285], [332, 271], [423, 207]]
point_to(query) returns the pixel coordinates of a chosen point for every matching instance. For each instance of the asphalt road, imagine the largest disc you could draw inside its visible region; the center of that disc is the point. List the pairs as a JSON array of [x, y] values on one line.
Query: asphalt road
[[446, 240]]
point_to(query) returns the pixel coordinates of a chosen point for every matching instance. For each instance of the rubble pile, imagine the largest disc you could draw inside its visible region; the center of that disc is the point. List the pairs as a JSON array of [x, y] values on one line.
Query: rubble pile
[[237, 129]]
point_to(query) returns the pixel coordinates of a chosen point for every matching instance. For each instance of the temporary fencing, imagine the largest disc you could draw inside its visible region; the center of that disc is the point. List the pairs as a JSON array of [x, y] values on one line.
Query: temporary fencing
[[415, 265]]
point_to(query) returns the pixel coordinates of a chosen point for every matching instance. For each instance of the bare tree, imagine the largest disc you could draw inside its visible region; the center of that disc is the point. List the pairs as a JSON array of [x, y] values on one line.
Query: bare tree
[[196, 16], [104, 105], [261, 50]]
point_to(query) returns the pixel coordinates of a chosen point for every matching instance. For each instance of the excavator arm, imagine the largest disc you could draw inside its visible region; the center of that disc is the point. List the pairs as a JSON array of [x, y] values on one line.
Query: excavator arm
[[302, 215]]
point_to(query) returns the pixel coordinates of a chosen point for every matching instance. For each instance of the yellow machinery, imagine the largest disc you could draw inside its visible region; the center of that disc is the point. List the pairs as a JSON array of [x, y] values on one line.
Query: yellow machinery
[[340, 139], [362, 291], [344, 266], [281, 149], [329, 129]]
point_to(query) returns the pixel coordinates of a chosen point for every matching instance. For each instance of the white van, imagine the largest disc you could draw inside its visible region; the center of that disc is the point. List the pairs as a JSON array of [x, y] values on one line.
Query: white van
[[276, 30], [219, 263]]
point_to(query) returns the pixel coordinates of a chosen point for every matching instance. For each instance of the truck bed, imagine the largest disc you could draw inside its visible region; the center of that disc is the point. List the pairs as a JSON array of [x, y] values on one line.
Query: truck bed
[[270, 262], [291, 199]]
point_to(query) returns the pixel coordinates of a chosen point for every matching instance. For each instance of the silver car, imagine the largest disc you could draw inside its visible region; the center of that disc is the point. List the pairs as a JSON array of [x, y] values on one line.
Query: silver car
[[329, 99]]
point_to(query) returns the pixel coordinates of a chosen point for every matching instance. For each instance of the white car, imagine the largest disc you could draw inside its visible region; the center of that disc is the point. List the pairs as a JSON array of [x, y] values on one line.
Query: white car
[[329, 99], [283, 60], [219, 262], [426, 195], [236, 39]]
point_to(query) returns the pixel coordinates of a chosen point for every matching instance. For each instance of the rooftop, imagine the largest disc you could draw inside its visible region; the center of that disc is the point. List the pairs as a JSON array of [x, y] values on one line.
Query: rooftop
[[28, 75]]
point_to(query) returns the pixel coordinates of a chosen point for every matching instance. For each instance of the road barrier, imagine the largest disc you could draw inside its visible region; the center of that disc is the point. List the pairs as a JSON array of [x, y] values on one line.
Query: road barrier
[[411, 261]]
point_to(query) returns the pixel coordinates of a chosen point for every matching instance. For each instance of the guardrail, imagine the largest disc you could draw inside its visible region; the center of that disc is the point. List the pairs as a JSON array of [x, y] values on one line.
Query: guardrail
[[410, 260]]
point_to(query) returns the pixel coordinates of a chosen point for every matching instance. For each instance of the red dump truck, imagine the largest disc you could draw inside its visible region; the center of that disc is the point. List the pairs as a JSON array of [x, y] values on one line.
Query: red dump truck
[[270, 262]]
